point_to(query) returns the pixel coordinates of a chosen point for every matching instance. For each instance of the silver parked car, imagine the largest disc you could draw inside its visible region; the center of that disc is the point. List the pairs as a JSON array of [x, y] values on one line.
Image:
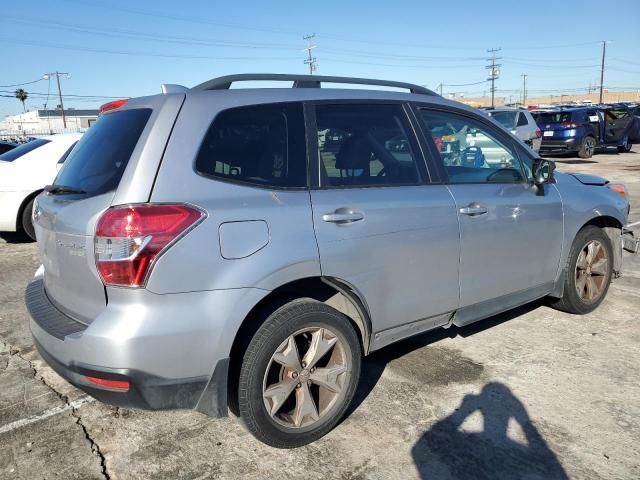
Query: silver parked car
[[244, 248], [520, 122]]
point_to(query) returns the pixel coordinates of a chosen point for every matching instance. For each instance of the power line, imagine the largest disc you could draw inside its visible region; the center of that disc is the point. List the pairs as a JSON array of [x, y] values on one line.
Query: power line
[[172, 16], [97, 97], [21, 84], [129, 34], [134, 53]]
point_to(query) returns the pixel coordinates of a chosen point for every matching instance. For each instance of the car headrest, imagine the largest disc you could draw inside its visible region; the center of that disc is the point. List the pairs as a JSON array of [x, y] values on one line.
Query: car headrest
[[354, 154]]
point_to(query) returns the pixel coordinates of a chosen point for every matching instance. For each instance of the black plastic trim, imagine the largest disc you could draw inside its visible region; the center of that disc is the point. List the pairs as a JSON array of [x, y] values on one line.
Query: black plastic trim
[[46, 315], [307, 81], [148, 391]]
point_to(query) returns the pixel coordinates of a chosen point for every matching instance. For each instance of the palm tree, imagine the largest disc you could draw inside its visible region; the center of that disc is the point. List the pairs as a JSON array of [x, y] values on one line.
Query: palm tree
[[22, 96]]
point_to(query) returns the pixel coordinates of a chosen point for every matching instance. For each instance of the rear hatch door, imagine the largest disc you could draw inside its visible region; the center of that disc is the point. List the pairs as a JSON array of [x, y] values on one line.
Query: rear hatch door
[[102, 169]]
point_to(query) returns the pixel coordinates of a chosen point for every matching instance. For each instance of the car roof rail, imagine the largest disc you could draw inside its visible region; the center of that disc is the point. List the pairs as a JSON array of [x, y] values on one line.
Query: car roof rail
[[306, 81]]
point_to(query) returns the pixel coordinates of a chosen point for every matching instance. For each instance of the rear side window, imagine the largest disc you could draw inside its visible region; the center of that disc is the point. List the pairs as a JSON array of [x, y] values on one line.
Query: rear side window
[[260, 145], [97, 162], [17, 152], [365, 145], [522, 120]]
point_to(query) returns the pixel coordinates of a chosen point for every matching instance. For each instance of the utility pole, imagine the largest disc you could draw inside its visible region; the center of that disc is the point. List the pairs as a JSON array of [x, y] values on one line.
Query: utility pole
[[310, 60], [57, 75], [494, 72], [604, 49], [524, 89], [439, 87]]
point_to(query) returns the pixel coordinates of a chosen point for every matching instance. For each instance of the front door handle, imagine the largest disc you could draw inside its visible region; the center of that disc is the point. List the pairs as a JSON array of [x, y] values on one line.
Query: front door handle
[[342, 216], [474, 209]]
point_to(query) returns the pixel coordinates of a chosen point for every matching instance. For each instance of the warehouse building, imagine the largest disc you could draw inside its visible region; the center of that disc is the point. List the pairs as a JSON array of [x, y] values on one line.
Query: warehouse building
[[45, 122]]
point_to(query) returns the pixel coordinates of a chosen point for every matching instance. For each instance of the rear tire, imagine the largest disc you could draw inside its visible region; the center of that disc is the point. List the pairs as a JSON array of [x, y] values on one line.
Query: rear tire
[[587, 147], [588, 272], [299, 374], [27, 221], [625, 148]]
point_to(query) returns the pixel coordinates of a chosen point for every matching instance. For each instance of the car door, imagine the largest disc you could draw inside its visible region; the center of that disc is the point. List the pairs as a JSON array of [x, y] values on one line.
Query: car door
[[617, 122], [511, 238], [382, 225]]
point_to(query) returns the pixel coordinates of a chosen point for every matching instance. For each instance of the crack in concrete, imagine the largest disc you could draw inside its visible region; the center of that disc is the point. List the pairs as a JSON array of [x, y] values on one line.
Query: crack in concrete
[[95, 448]]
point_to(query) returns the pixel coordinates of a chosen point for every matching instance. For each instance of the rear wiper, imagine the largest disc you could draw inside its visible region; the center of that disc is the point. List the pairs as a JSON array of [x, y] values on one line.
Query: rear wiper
[[62, 190]]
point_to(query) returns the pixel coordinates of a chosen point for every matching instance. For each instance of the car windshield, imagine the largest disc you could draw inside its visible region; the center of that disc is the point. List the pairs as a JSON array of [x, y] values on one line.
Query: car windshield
[[505, 118], [553, 117], [17, 152]]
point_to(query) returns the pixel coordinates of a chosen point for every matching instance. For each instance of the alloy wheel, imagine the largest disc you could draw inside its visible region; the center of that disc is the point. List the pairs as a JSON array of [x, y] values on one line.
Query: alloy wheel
[[592, 271], [589, 146], [306, 376]]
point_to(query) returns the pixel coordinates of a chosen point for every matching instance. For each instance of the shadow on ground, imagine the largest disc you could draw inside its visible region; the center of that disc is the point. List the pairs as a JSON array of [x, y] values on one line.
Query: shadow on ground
[[15, 237], [491, 453], [447, 452], [374, 364]]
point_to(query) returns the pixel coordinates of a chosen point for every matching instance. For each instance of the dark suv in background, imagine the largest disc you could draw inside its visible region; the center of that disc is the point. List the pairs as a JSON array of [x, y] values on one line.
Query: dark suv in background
[[584, 129]]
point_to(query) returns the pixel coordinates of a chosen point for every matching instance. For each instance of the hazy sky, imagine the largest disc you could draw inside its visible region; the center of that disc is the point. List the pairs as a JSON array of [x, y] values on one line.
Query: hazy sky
[[117, 48]]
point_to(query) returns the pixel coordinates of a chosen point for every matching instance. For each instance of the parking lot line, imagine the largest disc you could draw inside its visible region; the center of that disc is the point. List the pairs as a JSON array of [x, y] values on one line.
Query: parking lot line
[[46, 414]]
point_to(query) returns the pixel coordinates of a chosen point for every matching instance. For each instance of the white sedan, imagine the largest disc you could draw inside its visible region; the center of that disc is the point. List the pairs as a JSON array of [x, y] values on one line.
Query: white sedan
[[24, 171]]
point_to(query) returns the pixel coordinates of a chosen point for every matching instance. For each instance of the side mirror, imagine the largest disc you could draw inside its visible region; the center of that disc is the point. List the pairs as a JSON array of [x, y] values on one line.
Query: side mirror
[[543, 173]]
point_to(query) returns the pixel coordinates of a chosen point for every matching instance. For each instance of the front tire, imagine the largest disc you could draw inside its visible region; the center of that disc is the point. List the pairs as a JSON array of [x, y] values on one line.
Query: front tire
[[588, 272], [587, 147], [299, 374]]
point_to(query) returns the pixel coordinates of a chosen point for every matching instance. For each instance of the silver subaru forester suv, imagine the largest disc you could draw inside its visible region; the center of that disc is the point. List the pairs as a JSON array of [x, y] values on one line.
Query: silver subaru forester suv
[[215, 248]]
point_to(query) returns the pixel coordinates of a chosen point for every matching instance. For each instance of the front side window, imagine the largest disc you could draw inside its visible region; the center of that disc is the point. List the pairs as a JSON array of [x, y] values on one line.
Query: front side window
[[365, 145], [471, 151], [260, 145], [614, 114]]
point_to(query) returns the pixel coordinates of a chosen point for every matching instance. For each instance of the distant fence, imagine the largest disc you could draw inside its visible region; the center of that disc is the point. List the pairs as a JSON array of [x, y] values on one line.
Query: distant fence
[[20, 136]]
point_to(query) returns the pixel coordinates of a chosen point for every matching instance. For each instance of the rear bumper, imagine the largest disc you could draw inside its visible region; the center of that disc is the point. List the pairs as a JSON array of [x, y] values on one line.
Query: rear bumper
[[559, 145], [172, 349], [148, 392]]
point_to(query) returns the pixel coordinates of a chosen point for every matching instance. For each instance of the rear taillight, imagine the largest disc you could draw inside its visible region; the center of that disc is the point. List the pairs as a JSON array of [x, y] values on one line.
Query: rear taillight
[[129, 238], [538, 133], [568, 125], [113, 105]]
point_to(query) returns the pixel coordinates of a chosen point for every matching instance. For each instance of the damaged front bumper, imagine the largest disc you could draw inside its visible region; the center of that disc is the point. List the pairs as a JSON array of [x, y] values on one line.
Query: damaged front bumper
[[630, 237]]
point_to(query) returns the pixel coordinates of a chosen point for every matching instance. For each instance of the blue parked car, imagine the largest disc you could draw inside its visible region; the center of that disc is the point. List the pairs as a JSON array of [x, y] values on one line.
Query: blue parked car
[[584, 129]]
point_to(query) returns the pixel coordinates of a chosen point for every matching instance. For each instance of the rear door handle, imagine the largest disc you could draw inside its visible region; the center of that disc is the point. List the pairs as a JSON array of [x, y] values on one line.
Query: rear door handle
[[473, 210], [342, 216]]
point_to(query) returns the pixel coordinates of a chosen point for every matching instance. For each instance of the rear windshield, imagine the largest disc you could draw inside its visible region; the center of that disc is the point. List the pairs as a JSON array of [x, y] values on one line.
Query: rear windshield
[[553, 117], [17, 152], [506, 119], [97, 162]]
